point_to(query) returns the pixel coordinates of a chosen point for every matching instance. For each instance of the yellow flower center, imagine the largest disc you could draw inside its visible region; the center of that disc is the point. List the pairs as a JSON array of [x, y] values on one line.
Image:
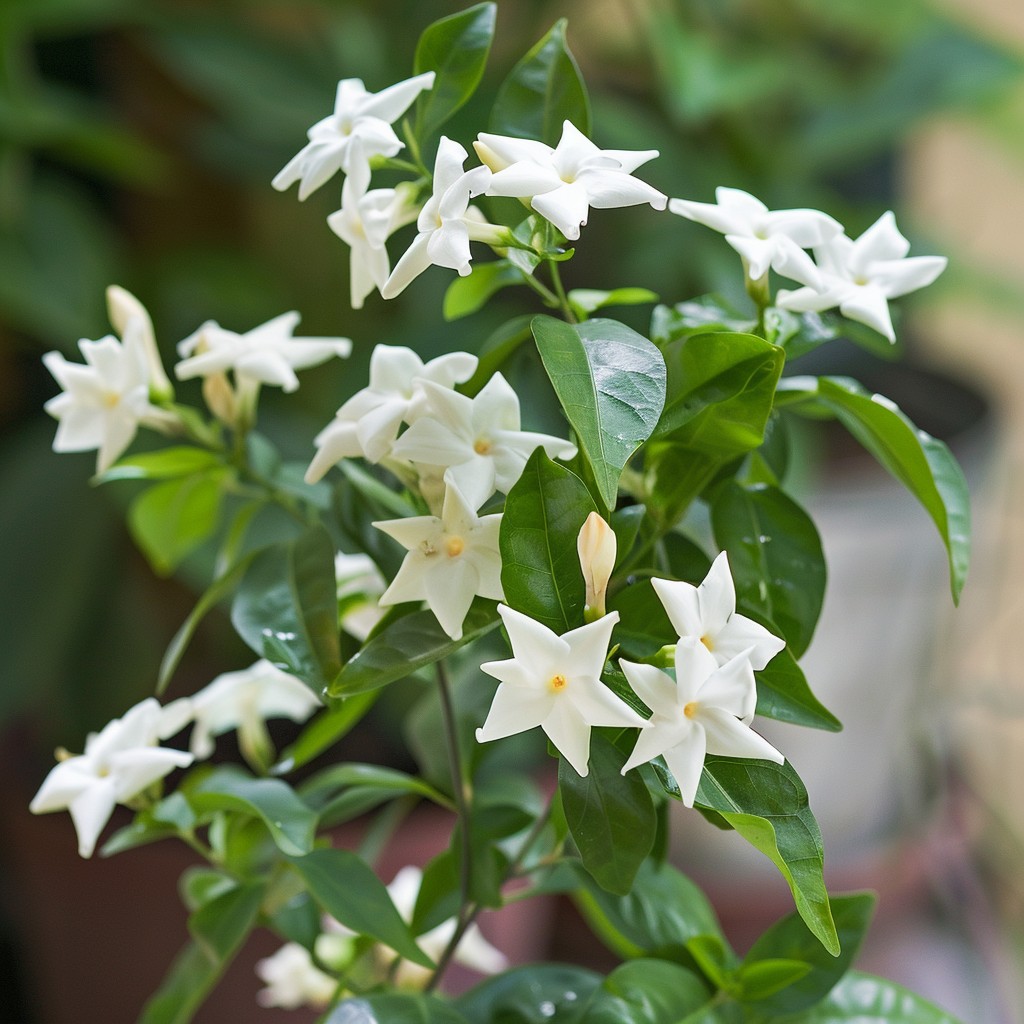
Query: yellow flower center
[[690, 710], [708, 642], [455, 546], [482, 446], [110, 399], [557, 682]]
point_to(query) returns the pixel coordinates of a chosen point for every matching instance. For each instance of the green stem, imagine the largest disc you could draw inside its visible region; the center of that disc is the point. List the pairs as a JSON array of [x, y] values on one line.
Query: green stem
[[563, 299], [551, 300]]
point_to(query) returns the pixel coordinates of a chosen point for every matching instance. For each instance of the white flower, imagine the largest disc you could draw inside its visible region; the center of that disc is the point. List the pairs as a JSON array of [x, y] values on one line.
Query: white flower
[[708, 614], [267, 354], [478, 438], [119, 762], [368, 423], [596, 546], [360, 586], [451, 558], [563, 183], [860, 276], [706, 710], [293, 980], [555, 682], [358, 115], [761, 236], [365, 222], [244, 701], [446, 223]]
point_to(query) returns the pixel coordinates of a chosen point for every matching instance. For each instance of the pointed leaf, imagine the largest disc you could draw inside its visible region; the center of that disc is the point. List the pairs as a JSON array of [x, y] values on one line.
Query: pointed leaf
[[222, 925], [325, 730], [783, 694], [531, 995], [647, 992], [466, 295], [861, 997]]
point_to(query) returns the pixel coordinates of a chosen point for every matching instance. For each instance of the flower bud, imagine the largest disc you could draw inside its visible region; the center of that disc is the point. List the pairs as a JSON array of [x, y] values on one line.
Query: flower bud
[[596, 548], [488, 157], [133, 325], [220, 398]]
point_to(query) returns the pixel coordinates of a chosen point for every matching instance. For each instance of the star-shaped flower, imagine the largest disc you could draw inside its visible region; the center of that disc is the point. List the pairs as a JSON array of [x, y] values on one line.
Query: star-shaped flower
[[119, 762], [555, 682], [708, 614], [478, 438], [705, 710], [764, 238], [368, 423], [451, 559], [565, 182], [860, 276], [293, 980], [446, 223], [267, 354], [358, 115]]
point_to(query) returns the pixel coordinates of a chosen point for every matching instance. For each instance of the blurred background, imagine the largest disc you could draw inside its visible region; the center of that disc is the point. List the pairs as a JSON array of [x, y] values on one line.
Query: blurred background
[[137, 142]]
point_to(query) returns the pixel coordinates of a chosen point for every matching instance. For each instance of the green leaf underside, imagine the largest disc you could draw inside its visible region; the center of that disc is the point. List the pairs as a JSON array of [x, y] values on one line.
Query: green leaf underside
[[783, 694], [540, 570], [766, 803], [611, 384]]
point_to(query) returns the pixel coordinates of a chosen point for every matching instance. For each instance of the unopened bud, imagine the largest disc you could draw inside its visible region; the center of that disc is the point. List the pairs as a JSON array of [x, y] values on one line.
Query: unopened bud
[[596, 548], [133, 326], [488, 157], [219, 396]]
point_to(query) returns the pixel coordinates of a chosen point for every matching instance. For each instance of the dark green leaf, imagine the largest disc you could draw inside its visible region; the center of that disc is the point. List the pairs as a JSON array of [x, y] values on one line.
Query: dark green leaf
[[775, 556], [799, 333], [347, 889], [544, 89], [531, 995], [783, 694], [323, 786], [325, 730], [647, 992], [466, 295], [189, 980], [859, 998], [286, 608], [540, 569], [611, 383], [585, 301], [221, 925], [611, 817], [395, 1008], [644, 627]]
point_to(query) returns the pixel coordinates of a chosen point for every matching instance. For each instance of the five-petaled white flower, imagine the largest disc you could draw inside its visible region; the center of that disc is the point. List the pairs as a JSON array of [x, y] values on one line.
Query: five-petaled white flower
[[119, 762], [451, 559], [368, 423], [293, 980], [555, 682], [358, 114], [267, 354], [563, 183], [244, 701], [707, 613], [446, 223], [706, 709], [860, 276], [477, 438], [764, 238]]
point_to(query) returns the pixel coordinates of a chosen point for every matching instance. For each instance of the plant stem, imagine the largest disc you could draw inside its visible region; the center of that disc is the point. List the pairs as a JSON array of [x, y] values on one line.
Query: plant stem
[[563, 299]]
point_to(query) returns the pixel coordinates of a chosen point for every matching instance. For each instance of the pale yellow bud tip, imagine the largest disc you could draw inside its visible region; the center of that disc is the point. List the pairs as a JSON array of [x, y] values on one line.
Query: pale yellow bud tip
[[597, 548]]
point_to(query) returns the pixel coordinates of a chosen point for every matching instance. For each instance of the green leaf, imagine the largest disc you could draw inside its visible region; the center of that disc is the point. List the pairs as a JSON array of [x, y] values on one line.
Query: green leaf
[[171, 519], [775, 556], [406, 645], [611, 816], [783, 694], [544, 89], [394, 1008], [646, 992], [456, 49], [540, 569], [611, 383], [466, 295], [767, 804], [859, 998], [531, 995], [325, 785], [644, 626], [496, 351], [585, 301], [325, 730], [789, 940], [221, 925], [185, 986], [698, 316], [923, 464], [347, 889], [286, 608], [761, 979], [183, 460], [290, 822]]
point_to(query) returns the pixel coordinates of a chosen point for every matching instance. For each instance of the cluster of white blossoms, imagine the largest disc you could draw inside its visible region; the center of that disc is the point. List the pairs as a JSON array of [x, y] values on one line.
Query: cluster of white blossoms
[[125, 758]]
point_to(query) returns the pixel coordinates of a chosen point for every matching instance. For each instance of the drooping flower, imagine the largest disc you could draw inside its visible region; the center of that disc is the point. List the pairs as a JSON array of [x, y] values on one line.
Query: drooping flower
[[477, 438], [707, 613], [563, 183], [119, 762], [293, 980], [358, 115], [596, 547], [706, 709], [451, 559], [368, 423], [446, 224], [244, 701], [763, 237], [360, 587], [554, 682], [267, 354], [860, 276]]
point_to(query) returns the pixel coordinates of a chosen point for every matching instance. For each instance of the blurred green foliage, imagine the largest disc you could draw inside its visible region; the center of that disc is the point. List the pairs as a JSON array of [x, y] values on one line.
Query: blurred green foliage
[[137, 142]]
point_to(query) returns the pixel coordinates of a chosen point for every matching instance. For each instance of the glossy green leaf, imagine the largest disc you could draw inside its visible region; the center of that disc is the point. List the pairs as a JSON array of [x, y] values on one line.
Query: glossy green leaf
[[531, 995], [466, 295], [783, 694], [540, 568], [169, 817], [347, 889], [799, 333], [611, 383], [775, 556], [860, 998], [322, 787], [923, 464], [646, 992], [395, 1008], [644, 626], [791, 941], [758, 981], [544, 89], [585, 301], [221, 925], [766, 803], [408, 644], [286, 608], [455, 48], [290, 822], [698, 316], [182, 460], [325, 730], [611, 816]]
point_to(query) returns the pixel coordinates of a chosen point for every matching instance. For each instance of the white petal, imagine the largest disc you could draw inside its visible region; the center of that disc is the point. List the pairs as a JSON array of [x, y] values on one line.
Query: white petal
[[90, 811], [566, 207], [686, 763], [389, 104], [413, 262], [655, 688], [898, 277], [729, 737], [450, 586], [514, 710], [682, 604], [867, 305], [569, 733]]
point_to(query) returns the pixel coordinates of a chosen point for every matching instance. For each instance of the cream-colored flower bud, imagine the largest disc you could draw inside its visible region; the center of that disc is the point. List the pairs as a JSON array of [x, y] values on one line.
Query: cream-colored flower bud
[[596, 547], [219, 396], [129, 317], [488, 157]]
